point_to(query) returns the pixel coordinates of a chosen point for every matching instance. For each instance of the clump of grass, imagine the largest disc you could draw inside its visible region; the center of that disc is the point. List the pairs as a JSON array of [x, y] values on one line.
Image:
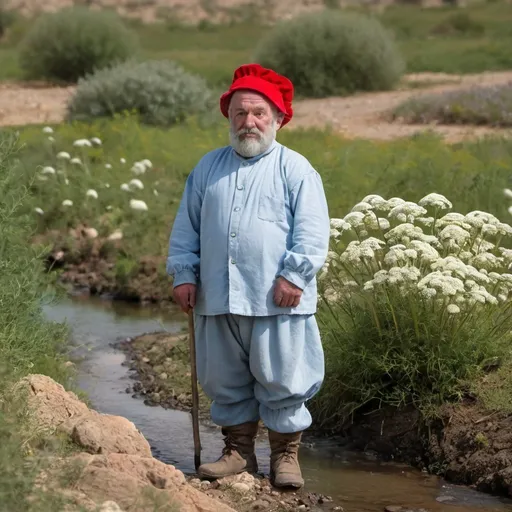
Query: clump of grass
[[415, 302], [490, 105]]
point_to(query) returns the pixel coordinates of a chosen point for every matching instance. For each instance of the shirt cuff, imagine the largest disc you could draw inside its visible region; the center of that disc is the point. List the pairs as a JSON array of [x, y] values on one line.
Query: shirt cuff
[[294, 278], [184, 277]]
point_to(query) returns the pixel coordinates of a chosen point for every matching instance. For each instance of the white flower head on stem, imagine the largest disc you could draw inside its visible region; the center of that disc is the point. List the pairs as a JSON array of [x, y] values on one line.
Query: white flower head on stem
[[137, 204], [92, 193], [138, 168], [48, 170], [108, 166], [508, 193], [96, 141], [407, 209], [125, 187], [340, 225], [39, 210], [82, 143], [63, 155], [135, 183], [453, 309], [122, 160], [362, 207], [48, 130], [355, 219], [436, 201], [76, 161], [67, 202]]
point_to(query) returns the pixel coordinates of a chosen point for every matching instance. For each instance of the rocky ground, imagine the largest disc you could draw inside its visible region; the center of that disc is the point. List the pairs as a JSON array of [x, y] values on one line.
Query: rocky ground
[[363, 115], [467, 444]]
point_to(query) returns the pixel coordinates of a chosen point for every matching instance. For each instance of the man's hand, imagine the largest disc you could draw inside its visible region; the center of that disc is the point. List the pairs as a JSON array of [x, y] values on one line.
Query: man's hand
[[286, 294], [185, 296]]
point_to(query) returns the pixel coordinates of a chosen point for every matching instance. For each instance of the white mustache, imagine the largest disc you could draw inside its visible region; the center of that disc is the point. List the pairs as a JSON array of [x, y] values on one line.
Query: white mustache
[[245, 131]]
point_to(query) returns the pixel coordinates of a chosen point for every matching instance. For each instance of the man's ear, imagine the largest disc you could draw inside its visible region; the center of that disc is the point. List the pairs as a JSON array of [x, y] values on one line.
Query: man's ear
[[279, 119]]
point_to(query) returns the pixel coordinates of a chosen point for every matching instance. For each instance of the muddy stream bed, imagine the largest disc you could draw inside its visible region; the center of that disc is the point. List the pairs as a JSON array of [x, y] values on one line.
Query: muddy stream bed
[[356, 481]]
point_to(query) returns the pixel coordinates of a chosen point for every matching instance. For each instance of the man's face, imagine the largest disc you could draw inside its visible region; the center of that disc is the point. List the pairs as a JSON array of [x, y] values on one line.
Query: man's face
[[253, 123]]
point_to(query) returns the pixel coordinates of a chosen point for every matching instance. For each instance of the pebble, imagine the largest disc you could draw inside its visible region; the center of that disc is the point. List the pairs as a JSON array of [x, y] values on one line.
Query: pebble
[[195, 482], [145, 359], [241, 487], [205, 484]]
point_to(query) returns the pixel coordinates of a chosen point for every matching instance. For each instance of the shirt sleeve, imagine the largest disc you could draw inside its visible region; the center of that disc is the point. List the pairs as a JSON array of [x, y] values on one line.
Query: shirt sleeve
[[311, 230], [184, 247]]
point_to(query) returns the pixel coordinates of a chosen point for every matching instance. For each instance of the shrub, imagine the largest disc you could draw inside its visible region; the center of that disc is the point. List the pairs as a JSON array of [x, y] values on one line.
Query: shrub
[[7, 18], [415, 303], [161, 92], [332, 53], [74, 42], [490, 105], [459, 23]]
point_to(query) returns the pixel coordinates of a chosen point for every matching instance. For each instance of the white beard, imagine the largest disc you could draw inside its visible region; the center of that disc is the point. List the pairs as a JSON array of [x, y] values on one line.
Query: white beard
[[250, 147]]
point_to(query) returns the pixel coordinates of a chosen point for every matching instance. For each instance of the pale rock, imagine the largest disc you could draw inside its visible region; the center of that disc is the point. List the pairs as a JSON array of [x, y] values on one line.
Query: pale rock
[[241, 487], [110, 506]]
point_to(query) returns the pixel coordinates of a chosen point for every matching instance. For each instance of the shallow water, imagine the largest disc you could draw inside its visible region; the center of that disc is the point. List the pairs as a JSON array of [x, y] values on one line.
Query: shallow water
[[356, 481]]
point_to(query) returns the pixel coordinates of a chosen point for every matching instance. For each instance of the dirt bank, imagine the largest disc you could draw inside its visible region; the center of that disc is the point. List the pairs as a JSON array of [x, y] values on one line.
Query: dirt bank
[[467, 444], [359, 116]]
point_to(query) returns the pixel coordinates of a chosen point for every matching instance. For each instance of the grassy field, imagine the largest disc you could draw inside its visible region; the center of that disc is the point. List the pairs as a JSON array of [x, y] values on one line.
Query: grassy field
[[472, 175], [449, 40]]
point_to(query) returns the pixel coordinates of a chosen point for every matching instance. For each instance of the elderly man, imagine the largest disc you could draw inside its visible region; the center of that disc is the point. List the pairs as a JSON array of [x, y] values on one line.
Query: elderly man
[[251, 232]]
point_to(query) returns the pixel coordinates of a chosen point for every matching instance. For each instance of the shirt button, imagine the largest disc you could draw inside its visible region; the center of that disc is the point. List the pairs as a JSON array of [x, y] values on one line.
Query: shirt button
[[237, 209], [233, 262], [233, 235], [240, 187]]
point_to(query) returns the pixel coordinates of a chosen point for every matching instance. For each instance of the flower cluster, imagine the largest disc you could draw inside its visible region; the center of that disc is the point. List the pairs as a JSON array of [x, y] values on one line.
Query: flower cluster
[[73, 170], [422, 252]]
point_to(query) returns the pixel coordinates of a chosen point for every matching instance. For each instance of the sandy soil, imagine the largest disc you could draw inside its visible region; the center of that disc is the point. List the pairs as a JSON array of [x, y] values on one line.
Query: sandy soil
[[359, 116]]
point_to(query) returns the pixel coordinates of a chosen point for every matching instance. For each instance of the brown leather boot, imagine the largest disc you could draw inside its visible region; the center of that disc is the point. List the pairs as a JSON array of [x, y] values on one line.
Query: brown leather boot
[[238, 454], [284, 462]]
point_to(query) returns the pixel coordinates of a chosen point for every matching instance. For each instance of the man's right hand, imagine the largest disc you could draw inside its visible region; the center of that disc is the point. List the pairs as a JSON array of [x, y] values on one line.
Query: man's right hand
[[185, 296]]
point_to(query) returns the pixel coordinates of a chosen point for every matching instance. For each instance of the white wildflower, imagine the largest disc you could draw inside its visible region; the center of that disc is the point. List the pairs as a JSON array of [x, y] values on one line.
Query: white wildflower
[[155, 192], [362, 207], [42, 178], [66, 181], [51, 139], [477, 219], [454, 235], [82, 143], [510, 210], [135, 183], [39, 210], [376, 201], [427, 221], [107, 185], [428, 293], [436, 201], [136, 204], [384, 223], [453, 309], [486, 260], [394, 201], [426, 252], [48, 170], [507, 192], [125, 187], [489, 229], [67, 202], [411, 253], [504, 229], [339, 224], [109, 208], [147, 163], [63, 155], [96, 141], [355, 219], [405, 210], [76, 161], [446, 285], [47, 129], [92, 193], [122, 160], [108, 166], [116, 235], [394, 256], [482, 245], [138, 168]]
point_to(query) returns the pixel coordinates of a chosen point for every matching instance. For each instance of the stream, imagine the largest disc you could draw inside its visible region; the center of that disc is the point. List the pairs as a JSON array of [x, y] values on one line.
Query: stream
[[354, 480]]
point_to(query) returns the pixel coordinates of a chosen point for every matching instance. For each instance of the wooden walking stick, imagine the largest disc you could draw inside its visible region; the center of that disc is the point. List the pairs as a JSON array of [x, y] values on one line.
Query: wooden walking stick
[[195, 392]]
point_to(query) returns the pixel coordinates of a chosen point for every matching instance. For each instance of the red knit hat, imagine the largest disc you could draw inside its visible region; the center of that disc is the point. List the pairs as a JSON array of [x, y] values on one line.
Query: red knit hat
[[277, 88]]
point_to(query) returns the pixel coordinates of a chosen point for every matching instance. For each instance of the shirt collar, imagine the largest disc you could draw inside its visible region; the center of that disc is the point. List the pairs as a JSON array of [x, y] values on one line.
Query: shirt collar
[[254, 159]]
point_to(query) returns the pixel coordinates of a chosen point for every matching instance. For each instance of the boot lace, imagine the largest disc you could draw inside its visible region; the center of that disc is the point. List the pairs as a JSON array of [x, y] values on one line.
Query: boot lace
[[229, 444]]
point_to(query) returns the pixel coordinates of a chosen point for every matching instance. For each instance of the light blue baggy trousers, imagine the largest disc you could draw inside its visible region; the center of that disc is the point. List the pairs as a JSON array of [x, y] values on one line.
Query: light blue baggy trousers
[[260, 368]]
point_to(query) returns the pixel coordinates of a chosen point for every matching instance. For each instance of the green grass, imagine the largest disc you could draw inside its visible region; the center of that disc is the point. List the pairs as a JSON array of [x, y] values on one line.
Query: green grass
[[28, 344], [472, 175], [215, 51]]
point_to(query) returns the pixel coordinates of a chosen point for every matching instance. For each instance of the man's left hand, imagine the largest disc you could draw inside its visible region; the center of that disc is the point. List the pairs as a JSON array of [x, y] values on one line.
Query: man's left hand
[[286, 294]]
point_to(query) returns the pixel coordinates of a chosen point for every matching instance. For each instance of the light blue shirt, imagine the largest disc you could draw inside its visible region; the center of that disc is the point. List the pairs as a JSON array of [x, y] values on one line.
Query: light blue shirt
[[242, 223]]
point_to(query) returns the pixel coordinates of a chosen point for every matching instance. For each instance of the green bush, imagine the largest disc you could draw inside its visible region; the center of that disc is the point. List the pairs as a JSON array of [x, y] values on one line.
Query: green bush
[[161, 92], [332, 53], [72, 43], [7, 18], [415, 305], [459, 23]]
